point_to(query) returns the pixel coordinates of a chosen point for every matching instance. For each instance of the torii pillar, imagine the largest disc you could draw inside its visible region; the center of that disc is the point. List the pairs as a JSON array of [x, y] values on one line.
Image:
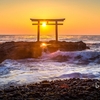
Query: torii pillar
[[38, 34], [54, 22]]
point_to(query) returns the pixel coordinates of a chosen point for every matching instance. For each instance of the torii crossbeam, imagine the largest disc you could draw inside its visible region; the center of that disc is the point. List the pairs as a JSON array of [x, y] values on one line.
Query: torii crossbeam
[[55, 22]]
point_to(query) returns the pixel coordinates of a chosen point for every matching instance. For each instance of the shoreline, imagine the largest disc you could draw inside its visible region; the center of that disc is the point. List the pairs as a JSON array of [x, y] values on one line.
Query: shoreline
[[68, 89]]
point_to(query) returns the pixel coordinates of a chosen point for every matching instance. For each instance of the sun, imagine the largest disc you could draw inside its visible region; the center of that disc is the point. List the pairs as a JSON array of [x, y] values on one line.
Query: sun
[[44, 24]]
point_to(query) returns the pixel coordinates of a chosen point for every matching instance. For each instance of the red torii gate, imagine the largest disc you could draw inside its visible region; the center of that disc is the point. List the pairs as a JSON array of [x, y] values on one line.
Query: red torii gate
[[55, 22]]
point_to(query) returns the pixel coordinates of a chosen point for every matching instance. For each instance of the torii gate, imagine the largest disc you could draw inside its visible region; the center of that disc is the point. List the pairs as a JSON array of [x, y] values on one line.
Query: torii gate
[[55, 22]]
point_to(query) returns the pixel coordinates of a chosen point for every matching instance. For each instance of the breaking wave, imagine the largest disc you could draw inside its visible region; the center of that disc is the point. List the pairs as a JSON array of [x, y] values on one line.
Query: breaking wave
[[82, 57], [51, 66]]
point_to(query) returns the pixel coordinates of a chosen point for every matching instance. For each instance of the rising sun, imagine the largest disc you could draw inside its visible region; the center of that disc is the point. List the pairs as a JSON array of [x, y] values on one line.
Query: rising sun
[[44, 24]]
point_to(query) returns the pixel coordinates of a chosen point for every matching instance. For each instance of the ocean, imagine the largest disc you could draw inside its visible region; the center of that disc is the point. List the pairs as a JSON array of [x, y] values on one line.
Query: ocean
[[52, 66]]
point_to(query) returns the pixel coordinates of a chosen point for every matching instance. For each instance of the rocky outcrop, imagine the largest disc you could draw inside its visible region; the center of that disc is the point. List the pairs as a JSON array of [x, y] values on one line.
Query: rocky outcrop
[[66, 46], [21, 50]]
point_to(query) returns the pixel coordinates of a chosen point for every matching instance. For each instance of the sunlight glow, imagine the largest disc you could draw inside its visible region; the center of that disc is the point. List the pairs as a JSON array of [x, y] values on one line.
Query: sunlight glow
[[44, 24], [43, 45]]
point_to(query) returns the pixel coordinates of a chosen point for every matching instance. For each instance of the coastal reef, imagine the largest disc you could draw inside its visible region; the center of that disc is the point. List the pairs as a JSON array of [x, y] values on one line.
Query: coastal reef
[[21, 50]]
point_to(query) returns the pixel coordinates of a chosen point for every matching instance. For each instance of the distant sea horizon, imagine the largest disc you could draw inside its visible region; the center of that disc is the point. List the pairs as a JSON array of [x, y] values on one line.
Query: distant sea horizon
[[30, 38]]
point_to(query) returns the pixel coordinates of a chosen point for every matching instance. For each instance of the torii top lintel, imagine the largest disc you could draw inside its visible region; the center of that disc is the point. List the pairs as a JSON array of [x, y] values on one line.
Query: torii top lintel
[[62, 19]]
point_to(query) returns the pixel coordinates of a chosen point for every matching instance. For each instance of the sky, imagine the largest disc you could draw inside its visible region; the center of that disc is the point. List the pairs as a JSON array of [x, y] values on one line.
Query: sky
[[82, 17]]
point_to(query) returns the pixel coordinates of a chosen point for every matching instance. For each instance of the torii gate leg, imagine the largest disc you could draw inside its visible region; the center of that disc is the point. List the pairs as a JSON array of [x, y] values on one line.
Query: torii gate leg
[[56, 30], [38, 34]]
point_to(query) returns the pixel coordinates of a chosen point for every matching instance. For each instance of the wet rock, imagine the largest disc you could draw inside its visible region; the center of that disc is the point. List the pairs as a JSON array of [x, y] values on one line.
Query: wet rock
[[21, 50], [78, 57], [61, 58], [34, 95], [45, 84], [64, 86], [69, 89], [9, 90]]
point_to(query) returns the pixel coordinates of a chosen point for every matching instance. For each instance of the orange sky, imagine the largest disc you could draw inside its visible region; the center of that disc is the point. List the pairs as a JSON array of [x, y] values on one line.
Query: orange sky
[[82, 16]]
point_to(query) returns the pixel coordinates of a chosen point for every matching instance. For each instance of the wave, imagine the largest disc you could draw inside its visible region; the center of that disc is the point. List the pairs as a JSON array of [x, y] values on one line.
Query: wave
[[50, 66], [3, 70], [82, 57], [75, 57], [78, 75]]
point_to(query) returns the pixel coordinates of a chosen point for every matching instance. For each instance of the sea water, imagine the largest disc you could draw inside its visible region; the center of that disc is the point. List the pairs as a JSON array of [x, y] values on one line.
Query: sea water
[[52, 66]]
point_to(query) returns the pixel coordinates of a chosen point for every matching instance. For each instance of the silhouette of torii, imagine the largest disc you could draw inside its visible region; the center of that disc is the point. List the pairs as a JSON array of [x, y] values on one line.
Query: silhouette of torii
[[55, 22]]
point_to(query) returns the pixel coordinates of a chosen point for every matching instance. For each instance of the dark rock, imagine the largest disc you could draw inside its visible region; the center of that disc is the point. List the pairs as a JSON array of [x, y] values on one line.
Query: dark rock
[[94, 58], [77, 89], [61, 58], [21, 50], [45, 84], [34, 95], [9, 90], [78, 57]]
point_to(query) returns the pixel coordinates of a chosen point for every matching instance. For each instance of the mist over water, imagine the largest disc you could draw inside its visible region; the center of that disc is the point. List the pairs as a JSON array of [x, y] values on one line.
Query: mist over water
[[51, 66]]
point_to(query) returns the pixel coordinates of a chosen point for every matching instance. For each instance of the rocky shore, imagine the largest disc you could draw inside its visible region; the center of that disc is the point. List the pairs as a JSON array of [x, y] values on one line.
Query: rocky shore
[[21, 50], [69, 89]]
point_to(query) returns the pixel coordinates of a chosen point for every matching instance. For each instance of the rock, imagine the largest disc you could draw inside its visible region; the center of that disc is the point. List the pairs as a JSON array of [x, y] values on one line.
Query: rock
[[21, 50], [61, 58], [34, 95], [64, 86], [69, 89], [45, 84], [9, 90]]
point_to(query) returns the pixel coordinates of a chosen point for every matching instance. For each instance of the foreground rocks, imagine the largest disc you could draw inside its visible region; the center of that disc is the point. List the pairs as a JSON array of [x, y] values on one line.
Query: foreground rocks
[[21, 50], [71, 89]]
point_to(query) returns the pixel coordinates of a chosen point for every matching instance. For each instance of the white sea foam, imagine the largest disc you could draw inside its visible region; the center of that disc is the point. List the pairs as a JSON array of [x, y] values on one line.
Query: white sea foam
[[74, 56], [49, 68]]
